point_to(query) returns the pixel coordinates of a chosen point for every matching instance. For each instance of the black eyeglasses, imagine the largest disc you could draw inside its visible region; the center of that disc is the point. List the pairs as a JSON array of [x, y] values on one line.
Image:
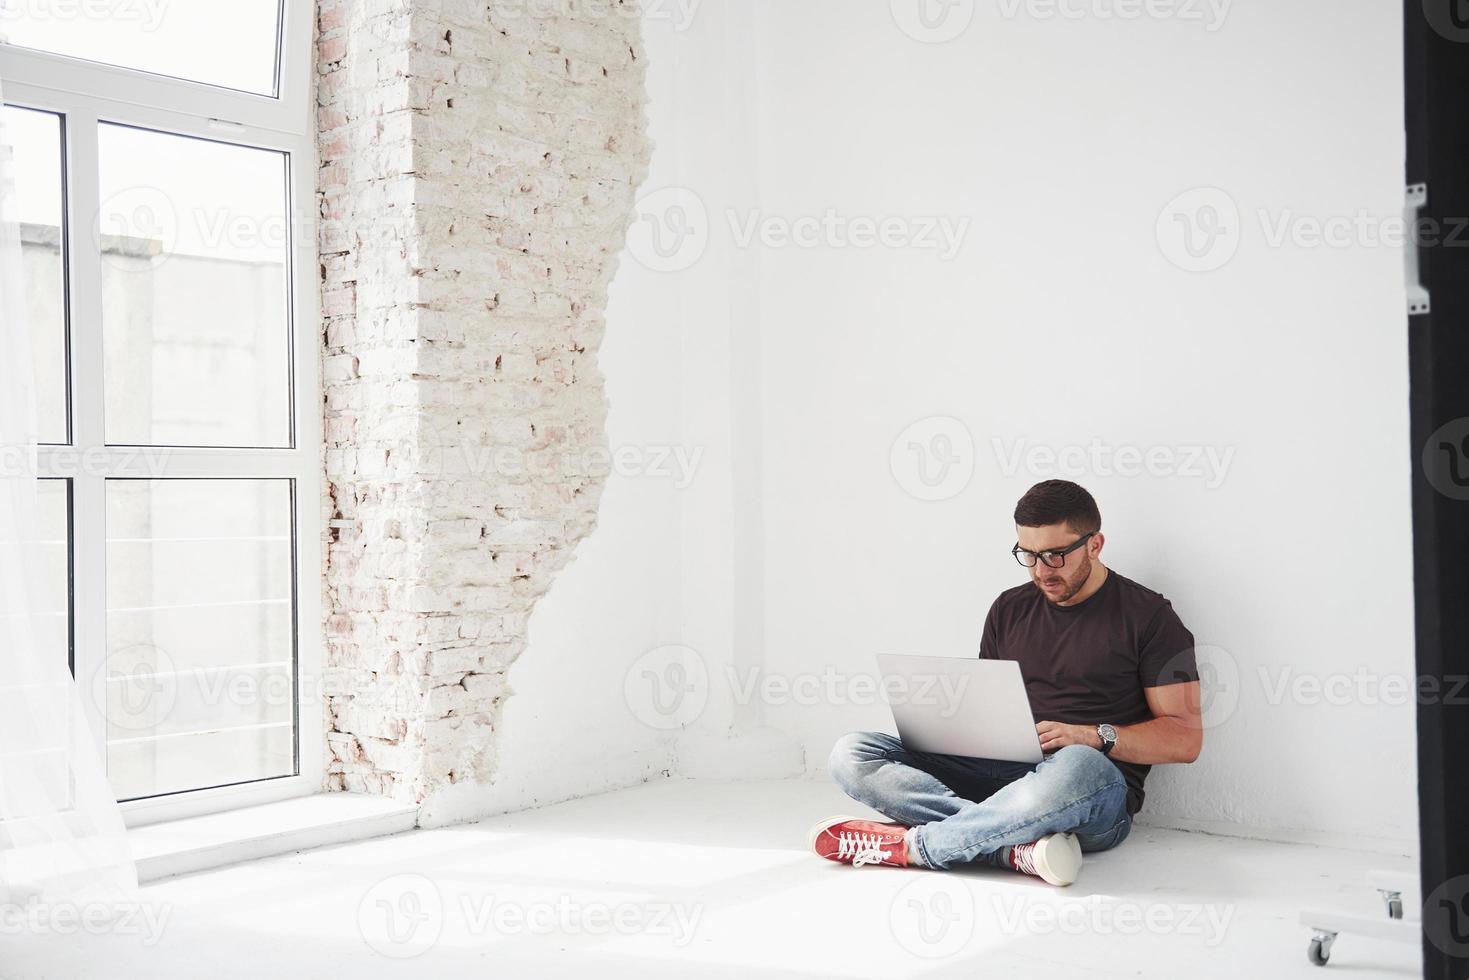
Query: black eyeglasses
[[1052, 559]]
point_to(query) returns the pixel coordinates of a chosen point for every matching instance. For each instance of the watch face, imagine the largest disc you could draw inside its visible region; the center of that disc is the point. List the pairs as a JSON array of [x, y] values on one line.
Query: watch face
[[1107, 732]]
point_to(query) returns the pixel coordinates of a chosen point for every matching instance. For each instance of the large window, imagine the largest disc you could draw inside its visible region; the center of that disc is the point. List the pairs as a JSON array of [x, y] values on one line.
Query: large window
[[231, 44], [162, 156]]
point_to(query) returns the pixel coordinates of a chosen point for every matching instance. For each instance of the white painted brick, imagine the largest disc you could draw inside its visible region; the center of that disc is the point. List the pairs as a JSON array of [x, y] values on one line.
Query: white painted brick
[[452, 660], [476, 180], [483, 687]]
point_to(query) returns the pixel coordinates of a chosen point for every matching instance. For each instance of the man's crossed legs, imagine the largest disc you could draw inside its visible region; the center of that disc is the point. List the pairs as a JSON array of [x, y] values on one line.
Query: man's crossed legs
[[951, 810]]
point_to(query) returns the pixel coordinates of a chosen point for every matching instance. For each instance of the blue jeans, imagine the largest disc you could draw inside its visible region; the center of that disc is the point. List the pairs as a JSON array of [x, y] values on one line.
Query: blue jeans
[[966, 810]]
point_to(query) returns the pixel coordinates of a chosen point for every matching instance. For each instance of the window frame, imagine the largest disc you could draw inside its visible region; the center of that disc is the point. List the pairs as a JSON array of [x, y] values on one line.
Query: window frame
[[86, 93]]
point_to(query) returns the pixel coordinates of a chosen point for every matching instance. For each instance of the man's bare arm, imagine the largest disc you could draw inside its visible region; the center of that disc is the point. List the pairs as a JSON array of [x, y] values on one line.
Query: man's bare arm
[[1174, 734]]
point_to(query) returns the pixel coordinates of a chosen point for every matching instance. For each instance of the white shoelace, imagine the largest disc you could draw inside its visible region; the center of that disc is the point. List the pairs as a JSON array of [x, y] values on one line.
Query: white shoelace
[[861, 848], [1022, 858]]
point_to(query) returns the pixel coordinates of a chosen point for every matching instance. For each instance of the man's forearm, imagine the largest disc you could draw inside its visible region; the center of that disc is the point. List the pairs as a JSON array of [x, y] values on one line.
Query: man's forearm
[[1157, 741]]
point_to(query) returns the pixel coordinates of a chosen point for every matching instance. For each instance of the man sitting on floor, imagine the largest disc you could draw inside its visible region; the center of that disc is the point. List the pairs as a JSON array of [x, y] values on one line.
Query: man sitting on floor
[[1106, 662]]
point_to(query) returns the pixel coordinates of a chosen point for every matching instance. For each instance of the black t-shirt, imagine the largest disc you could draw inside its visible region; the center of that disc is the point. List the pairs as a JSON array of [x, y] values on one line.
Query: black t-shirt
[[1087, 664]]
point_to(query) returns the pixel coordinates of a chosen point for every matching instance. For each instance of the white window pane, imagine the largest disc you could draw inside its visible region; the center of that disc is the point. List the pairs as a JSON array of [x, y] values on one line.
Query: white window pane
[[53, 581], [37, 768], [35, 167], [195, 260], [200, 647], [232, 44]]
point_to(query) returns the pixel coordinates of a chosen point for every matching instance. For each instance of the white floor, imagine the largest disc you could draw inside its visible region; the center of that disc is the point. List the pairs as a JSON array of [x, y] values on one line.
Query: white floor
[[678, 879]]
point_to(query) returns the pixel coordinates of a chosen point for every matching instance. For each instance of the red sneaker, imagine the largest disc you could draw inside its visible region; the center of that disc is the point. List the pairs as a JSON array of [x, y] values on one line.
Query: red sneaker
[[858, 842], [1055, 858]]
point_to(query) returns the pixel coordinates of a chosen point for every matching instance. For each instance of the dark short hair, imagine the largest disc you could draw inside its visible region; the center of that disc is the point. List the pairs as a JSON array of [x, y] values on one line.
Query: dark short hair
[[1058, 502]]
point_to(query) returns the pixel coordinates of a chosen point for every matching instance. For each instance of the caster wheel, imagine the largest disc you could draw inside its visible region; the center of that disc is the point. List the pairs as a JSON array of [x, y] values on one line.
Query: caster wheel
[[1319, 952]]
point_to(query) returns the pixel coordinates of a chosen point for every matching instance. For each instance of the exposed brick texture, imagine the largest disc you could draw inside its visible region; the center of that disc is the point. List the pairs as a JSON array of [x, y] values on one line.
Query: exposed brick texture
[[478, 165]]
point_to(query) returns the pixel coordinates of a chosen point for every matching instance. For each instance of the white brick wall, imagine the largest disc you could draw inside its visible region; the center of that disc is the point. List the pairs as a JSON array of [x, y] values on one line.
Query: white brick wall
[[478, 163]]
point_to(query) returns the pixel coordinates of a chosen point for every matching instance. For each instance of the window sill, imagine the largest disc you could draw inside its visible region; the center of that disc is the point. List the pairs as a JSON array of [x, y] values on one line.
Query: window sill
[[177, 847]]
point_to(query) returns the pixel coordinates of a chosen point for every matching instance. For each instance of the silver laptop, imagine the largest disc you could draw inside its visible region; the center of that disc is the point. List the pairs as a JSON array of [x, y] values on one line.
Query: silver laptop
[[961, 706]]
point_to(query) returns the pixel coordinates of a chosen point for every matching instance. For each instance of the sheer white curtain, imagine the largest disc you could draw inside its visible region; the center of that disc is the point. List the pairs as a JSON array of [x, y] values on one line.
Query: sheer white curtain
[[61, 834]]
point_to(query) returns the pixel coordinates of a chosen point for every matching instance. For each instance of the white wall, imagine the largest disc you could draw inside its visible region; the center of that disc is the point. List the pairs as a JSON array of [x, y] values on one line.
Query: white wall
[[1059, 321], [796, 552]]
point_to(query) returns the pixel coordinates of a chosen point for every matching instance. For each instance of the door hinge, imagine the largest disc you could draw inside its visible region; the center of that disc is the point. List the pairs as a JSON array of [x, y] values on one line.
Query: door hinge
[[1413, 202]]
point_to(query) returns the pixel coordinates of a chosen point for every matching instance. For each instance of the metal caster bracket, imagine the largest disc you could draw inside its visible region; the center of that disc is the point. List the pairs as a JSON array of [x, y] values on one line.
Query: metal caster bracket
[[1319, 952]]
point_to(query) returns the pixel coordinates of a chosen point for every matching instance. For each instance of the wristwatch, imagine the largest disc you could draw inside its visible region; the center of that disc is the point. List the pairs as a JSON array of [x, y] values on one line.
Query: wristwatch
[[1108, 735]]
